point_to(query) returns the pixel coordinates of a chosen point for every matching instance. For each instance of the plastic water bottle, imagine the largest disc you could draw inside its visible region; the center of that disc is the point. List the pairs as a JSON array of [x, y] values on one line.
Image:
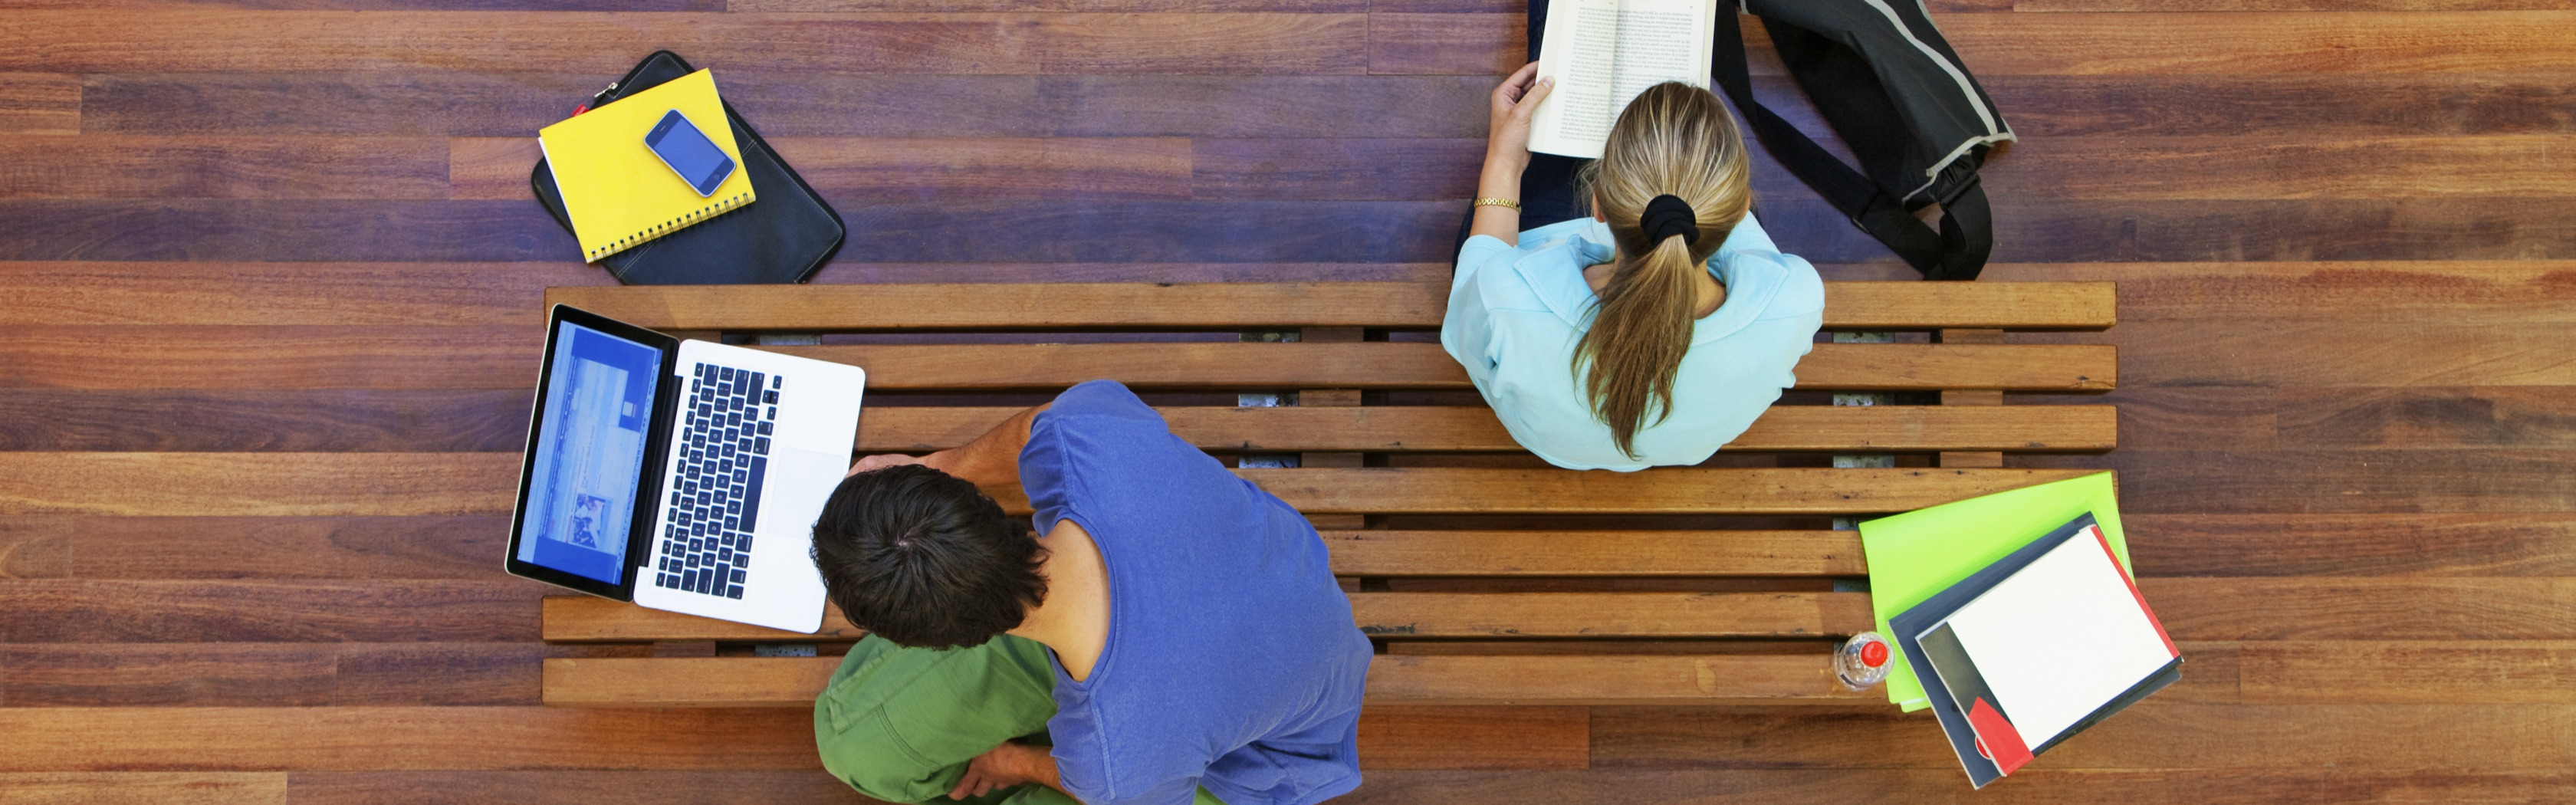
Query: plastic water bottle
[[1862, 661]]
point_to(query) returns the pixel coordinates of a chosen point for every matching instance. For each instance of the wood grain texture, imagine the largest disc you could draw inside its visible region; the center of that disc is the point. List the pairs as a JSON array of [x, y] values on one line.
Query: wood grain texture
[[904, 169], [1235, 306], [231, 674], [1677, 491], [1767, 786], [40, 103], [2235, 167], [191, 547], [1606, 553], [247, 484], [1468, 615], [2409, 672], [572, 787], [271, 611], [110, 788], [259, 357], [315, 420], [2372, 608], [108, 166], [2390, 544], [233, 293], [223, 40], [997, 367], [358, 738]]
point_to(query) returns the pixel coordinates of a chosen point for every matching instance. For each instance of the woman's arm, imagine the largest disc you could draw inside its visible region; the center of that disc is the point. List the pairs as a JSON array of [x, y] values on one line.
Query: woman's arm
[[992, 459], [1507, 152]]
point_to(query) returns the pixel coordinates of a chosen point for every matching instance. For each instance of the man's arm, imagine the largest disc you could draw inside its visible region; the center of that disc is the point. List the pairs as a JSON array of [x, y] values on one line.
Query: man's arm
[[992, 459], [1008, 765]]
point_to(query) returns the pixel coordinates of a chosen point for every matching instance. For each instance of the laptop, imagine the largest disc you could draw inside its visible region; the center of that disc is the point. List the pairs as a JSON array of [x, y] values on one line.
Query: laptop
[[681, 475]]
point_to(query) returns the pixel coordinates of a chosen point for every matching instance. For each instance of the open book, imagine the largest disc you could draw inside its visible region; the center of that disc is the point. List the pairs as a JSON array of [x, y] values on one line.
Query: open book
[[1602, 53]]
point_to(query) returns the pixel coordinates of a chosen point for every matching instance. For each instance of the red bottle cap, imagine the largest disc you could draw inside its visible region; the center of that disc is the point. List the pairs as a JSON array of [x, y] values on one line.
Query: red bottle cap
[[1874, 654]]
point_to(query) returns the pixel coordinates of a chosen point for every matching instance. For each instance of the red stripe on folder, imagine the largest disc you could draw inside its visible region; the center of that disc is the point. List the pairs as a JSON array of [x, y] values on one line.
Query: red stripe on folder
[[2105, 542], [2001, 742]]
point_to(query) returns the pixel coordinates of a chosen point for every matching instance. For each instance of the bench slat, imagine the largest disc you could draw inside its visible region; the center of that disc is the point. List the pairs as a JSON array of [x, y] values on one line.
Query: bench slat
[[1596, 553], [1234, 306], [1573, 680], [2016, 428], [1420, 365], [1379, 490], [1460, 615]]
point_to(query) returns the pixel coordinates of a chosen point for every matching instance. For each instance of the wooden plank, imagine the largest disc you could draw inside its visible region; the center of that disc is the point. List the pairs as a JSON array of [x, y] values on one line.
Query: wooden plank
[[1033, 306], [356, 738], [1421, 615], [2493, 291], [572, 787], [288, 230], [2333, 481], [106, 788], [577, 618], [2350, 354], [2358, 608], [1057, 6], [215, 357], [234, 293], [783, 682], [1595, 553], [115, 166], [905, 168], [2283, 5], [1055, 306], [185, 547], [1673, 491], [996, 367], [1403, 737], [2443, 417], [1618, 680], [1395, 168], [376, 5], [2388, 544], [35, 548], [259, 484], [2269, 104], [803, 103], [270, 611], [269, 674], [221, 40], [1441, 428], [2211, 167], [1718, 784], [2140, 43], [1005, 273], [226, 420], [2410, 671], [40, 103]]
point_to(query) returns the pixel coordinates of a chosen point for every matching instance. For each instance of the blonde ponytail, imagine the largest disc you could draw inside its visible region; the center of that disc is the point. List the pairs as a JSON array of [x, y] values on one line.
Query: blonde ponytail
[[1674, 139]]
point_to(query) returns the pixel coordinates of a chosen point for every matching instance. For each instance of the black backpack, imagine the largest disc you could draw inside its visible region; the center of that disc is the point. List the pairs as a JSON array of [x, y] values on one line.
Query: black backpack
[[1887, 82]]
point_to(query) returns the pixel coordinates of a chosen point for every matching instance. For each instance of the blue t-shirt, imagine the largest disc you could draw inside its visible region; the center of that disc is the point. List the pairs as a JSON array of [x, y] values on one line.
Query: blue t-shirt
[[1233, 661]]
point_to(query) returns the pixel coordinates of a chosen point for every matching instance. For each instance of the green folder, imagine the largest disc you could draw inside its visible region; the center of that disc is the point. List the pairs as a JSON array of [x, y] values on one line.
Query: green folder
[[1919, 553]]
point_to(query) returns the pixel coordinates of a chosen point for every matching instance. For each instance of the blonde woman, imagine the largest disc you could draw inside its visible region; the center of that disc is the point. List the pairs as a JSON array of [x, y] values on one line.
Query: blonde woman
[[1650, 333]]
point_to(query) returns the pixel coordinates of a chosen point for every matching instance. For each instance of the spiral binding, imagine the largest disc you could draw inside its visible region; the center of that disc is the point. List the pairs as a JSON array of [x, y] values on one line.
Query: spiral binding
[[670, 226]]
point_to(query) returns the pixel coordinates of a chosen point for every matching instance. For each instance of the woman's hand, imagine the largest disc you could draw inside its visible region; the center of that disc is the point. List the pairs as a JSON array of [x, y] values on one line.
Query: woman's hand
[[1508, 127]]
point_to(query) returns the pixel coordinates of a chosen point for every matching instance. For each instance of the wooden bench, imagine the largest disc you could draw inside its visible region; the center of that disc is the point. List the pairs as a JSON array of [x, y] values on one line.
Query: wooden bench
[[1484, 575]]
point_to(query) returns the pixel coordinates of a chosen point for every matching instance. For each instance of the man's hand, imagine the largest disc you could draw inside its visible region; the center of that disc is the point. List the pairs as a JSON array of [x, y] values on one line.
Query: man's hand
[[1007, 765], [1507, 131], [882, 461]]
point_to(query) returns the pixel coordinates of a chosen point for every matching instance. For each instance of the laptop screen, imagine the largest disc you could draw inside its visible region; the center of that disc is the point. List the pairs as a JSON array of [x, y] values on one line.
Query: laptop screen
[[589, 453]]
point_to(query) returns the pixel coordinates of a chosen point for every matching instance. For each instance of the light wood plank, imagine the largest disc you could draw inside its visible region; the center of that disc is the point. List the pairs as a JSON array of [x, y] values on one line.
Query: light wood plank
[[1595, 553], [1667, 491], [139, 166], [114, 788], [778, 682], [270, 739], [1429, 428], [259, 484], [40, 103], [1058, 306], [997, 367], [851, 169], [228, 293], [1523, 615]]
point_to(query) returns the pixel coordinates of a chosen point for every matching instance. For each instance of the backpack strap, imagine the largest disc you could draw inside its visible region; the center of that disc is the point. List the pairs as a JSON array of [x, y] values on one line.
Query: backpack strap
[[1956, 252]]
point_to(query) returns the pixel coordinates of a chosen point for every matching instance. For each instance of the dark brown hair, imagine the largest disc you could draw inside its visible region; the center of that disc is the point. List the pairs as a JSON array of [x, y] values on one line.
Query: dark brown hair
[[922, 558]]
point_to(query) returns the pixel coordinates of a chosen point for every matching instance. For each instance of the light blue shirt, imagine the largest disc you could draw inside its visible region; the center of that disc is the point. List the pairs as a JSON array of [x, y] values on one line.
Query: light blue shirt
[[1515, 315]]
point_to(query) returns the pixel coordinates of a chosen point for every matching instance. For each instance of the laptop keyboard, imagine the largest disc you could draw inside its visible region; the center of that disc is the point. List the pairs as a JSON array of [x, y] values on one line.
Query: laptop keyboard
[[715, 493]]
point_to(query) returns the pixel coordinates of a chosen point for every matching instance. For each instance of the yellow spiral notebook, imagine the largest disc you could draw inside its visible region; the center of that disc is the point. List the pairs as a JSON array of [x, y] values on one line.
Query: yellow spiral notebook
[[620, 195]]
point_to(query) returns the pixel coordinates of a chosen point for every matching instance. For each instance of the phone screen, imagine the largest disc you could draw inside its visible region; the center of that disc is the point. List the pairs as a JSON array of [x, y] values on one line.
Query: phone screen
[[689, 153]]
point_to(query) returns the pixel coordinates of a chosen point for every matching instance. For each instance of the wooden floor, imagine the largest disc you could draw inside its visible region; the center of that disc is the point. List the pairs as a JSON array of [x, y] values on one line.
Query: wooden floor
[[269, 283]]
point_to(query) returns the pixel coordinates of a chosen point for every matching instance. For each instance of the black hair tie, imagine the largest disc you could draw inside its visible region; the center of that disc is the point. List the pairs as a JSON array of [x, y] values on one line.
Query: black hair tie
[[1669, 215]]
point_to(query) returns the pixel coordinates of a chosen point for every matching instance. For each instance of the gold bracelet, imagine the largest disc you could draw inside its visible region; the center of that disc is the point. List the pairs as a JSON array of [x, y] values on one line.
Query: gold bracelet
[[1491, 201]]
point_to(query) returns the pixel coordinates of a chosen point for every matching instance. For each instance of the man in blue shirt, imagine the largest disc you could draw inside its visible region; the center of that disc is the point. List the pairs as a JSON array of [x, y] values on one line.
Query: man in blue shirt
[[1175, 632]]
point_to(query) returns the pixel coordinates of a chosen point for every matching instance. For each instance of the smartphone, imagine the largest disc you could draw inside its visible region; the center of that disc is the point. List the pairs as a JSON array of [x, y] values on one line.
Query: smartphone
[[689, 153]]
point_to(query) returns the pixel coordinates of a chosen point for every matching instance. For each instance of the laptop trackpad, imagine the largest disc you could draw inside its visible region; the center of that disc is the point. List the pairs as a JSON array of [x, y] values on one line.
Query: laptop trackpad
[[798, 482]]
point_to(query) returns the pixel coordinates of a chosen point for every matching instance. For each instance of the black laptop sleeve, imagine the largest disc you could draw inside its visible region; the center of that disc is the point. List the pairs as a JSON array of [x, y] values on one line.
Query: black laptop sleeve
[[780, 238]]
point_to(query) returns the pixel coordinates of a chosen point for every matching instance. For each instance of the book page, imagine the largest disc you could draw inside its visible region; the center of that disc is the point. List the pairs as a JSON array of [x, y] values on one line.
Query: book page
[[1577, 50], [1659, 41]]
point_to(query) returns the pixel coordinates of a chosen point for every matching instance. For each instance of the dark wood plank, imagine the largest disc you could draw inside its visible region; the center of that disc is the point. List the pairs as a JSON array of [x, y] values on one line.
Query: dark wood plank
[[1429, 428], [2354, 608], [1424, 366], [36, 547], [2283, 5], [2385, 544], [1400, 737], [40, 103], [183, 547], [1237, 306], [375, 5], [109, 788], [2075, 231], [222, 40], [260, 484], [962, 273], [2352, 104], [77, 611], [1053, 6], [2491, 417], [898, 169], [798, 103], [284, 293], [1768, 786], [269, 674], [354, 738], [107, 166], [1471, 615], [215, 357], [571, 787], [2235, 167], [2095, 44], [2484, 291], [2355, 354], [1673, 491], [2409, 672], [1393, 169], [2330, 481], [1379, 553], [317, 420], [289, 230]]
